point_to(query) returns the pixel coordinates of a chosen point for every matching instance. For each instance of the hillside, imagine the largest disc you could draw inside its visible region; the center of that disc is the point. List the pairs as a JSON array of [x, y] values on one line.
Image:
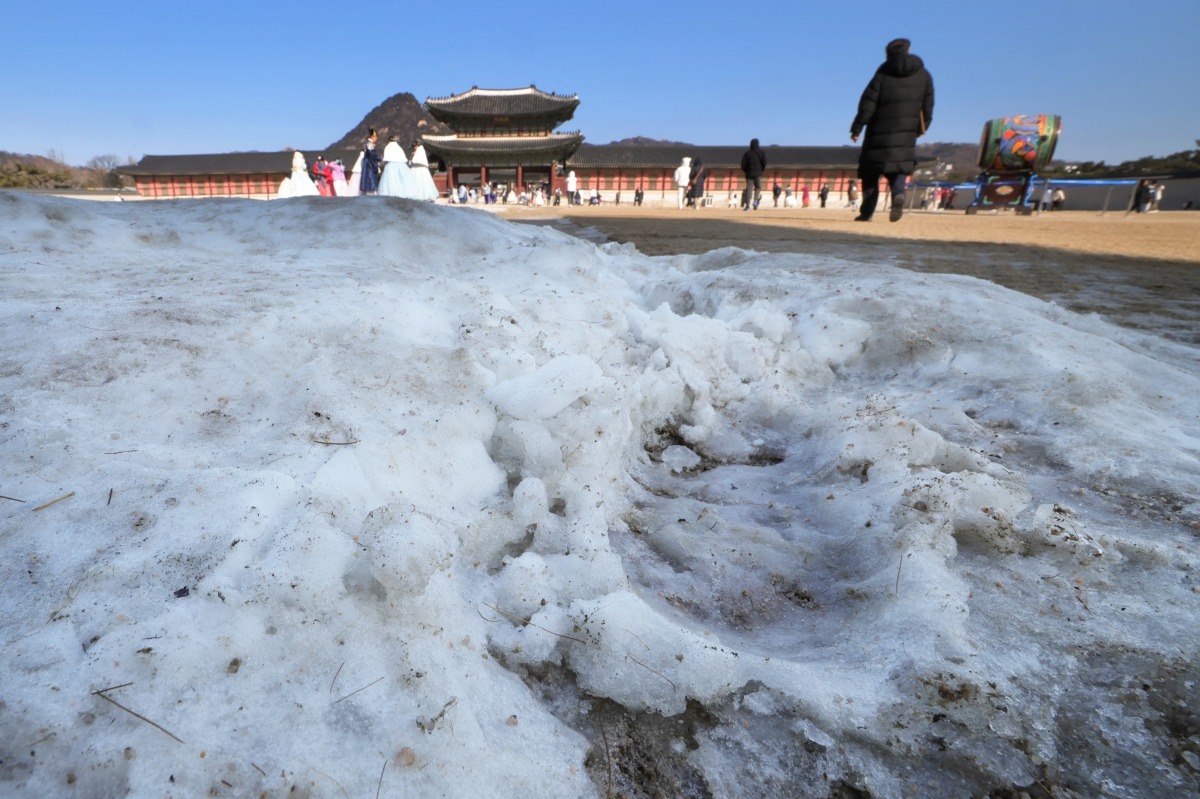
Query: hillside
[[23, 171], [400, 115], [643, 141]]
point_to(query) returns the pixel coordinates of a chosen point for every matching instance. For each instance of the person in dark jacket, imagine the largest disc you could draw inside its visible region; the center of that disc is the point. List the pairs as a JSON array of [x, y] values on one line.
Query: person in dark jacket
[[695, 187], [895, 108], [754, 163]]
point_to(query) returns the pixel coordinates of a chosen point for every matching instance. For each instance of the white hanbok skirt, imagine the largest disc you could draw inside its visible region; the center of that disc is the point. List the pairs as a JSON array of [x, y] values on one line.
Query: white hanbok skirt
[[423, 186], [397, 180], [354, 180], [298, 185]]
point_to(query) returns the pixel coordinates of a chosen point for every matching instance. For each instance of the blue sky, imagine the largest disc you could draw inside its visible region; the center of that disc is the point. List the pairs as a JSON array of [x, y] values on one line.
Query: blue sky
[[124, 78]]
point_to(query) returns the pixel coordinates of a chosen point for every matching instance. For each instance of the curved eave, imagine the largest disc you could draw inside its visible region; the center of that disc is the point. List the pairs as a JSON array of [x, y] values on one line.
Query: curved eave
[[500, 151], [486, 103], [253, 163], [539, 120]]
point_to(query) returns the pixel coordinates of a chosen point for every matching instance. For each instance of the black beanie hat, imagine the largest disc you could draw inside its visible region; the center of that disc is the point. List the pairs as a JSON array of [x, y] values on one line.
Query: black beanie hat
[[898, 47]]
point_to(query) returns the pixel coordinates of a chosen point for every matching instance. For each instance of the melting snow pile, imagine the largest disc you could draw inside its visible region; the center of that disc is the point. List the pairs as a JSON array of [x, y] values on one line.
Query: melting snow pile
[[376, 497]]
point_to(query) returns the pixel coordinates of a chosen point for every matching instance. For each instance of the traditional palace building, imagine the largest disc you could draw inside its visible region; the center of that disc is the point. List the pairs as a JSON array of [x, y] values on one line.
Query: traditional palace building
[[508, 136], [625, 168], [255, 175], [503, 136]]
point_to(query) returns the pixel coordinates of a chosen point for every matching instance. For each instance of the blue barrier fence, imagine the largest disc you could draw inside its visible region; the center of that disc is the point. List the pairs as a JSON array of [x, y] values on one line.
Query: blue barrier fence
[[1036, 182]]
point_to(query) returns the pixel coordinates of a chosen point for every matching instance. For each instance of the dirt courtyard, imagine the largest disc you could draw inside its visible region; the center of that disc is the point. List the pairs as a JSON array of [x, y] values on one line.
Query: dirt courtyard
[[1139, 270]]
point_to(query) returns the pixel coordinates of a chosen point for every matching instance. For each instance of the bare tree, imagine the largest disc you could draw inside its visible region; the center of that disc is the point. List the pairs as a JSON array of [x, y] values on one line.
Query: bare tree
[[103, 163]]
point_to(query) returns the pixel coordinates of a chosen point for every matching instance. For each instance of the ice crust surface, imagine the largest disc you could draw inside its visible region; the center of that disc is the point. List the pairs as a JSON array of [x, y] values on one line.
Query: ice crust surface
[[379, 496]]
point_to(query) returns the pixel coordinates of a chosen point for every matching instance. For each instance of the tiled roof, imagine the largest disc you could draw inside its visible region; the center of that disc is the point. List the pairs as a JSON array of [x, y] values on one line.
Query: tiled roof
[[497, 149], [613, 156], [557, 145], [502, 102], [230, 163]]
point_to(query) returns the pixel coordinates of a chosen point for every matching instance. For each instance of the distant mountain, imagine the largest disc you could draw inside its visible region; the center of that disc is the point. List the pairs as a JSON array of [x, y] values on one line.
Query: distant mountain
[[642, 141], [400, 115]]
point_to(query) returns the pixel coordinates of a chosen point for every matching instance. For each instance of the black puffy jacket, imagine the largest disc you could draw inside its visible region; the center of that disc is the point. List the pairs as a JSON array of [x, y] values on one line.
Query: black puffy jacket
[[754, 161], [895, 108]]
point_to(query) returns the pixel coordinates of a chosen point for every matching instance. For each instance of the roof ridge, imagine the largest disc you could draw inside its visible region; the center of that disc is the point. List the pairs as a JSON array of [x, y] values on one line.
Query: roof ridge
[[475, 91]]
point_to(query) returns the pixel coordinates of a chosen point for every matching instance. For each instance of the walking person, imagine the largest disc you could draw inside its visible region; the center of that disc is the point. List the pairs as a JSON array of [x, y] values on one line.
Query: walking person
[[1156, 195], [683, 174], [852, 196], [775, 192], [754, 163], [1141, 198], [895, 108], [1047, 197], [572, 189], [695, 189], [824, 194]]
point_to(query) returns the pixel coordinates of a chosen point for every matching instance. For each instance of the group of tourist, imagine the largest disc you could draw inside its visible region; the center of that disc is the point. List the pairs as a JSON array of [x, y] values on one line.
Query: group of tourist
[[392, 175], [1147, 196], [1053, 198], [895, 108]]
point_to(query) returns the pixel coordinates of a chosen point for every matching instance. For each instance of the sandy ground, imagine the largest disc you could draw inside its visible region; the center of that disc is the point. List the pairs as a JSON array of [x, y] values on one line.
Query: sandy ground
[[1140, 270]]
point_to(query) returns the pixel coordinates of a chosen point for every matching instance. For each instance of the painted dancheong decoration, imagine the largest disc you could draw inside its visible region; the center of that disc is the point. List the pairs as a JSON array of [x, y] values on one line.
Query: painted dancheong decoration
[[1013, 144], [1011, 151]]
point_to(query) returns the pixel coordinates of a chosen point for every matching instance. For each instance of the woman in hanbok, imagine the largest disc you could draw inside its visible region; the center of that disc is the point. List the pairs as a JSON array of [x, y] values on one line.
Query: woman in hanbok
[[298, 184], [369, 180], [337, 174], [318, 174], [396, 180], [423, 187]]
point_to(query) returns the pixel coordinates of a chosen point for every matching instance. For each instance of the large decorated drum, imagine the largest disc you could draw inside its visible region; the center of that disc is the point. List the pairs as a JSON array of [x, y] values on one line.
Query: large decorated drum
[[1013, 144]]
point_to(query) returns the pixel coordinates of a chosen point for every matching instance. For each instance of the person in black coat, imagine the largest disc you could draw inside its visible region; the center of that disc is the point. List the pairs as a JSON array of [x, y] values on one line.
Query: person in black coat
[[695, 187], [895, 108], [754, 163]]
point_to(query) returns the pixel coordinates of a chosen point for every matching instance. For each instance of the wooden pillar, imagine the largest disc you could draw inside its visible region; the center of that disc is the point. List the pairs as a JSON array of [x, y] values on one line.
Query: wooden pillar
[[520, 177]]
